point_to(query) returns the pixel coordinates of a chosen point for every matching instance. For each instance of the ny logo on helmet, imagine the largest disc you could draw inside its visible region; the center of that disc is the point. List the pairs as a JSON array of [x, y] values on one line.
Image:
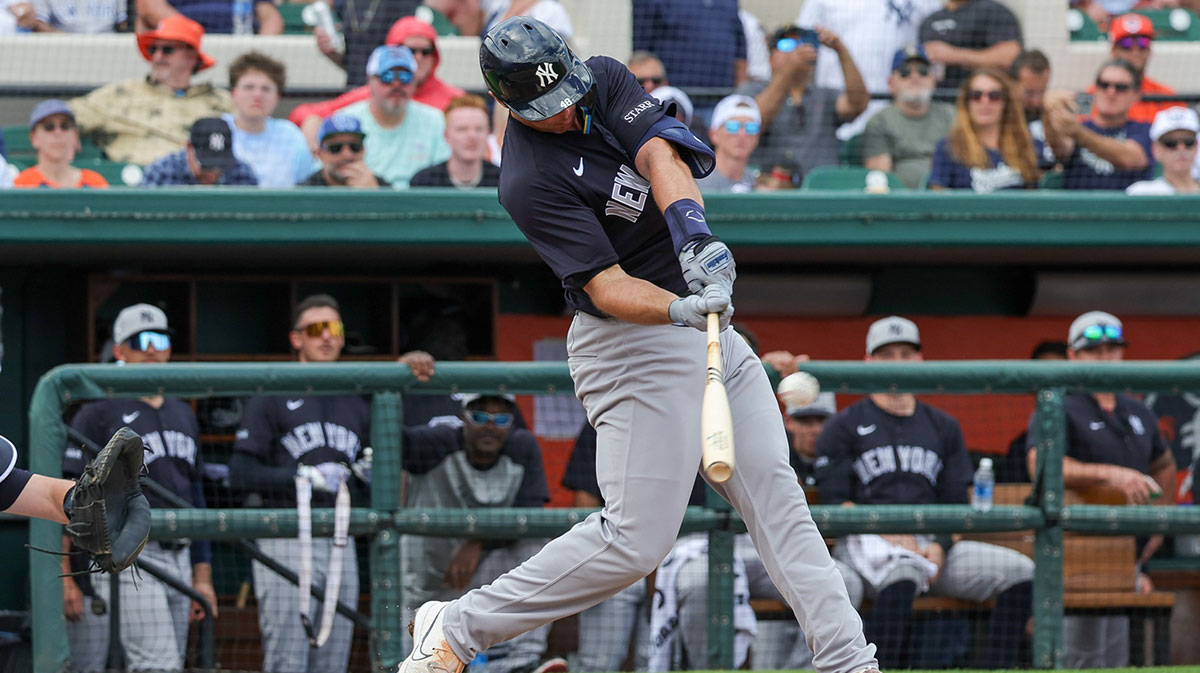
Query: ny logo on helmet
[[545, 74]]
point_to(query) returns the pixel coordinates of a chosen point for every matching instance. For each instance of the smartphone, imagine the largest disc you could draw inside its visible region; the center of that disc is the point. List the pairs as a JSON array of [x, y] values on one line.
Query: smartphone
[[809, 36], [1084, 102]]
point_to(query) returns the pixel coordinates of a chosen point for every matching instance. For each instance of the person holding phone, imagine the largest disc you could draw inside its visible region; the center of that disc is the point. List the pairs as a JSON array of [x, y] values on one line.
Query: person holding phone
[[343, 156]]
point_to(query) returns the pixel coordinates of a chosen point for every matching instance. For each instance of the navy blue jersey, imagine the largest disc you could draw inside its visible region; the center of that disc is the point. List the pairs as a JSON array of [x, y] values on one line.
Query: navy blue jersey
[[426, 447], [1128, 436], [581, 470], [578, 197], [868, 456], [280, 433], [171, 436], [12, 478]]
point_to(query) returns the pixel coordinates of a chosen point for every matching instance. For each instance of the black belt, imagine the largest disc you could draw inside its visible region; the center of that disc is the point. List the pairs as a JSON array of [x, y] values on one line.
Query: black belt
[[172, 545]]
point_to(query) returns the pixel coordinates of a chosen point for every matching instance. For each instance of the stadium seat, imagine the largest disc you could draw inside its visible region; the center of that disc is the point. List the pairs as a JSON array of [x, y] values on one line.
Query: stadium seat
[[293, 23], [1083, 28], [1051, 180], [1173, 24], [850, 153], [844, 178], [109, 170]]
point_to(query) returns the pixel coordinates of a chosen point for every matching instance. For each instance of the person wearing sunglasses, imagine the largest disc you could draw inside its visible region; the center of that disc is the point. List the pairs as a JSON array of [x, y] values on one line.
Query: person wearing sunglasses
[[208, 160], [142, 119], [1108, 150], [733, 131], [799, 119], [1114, 449], [1132, 39], [53, 133], [989, 146], [402, 135], [410, 32], [154, 617], [648, 70], [486, 462], [341, 151], [901, 138], [1173, 134]]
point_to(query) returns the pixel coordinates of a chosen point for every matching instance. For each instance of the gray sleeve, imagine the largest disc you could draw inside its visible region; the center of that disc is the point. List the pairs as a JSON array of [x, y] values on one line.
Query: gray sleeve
[[875, 140]]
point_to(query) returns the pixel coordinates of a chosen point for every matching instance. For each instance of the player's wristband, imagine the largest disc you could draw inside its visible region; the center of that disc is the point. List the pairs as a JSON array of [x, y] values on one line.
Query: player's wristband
[[686, 222]]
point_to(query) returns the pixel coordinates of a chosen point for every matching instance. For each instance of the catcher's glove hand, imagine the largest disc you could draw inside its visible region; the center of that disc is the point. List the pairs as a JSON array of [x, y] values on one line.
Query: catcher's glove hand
[[109, 517]]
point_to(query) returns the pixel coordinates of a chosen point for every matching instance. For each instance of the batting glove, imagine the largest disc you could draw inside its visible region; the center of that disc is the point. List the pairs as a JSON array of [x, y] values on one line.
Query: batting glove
[[706, 262], [325, 476], [693, 310]]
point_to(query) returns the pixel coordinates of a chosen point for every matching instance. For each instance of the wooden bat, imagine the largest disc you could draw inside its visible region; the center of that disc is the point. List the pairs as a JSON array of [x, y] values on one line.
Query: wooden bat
[[716, 421]]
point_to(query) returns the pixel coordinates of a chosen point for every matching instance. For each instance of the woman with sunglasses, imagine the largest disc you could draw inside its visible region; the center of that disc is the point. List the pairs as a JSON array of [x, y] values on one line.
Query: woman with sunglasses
[[1174, 135], [734, 134], [989, 146], [53, 133]]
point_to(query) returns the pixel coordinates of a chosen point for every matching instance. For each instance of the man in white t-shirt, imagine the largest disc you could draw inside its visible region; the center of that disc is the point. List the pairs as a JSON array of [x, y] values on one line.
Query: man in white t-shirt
[[403, 136], [81, 16], [872, 30], [1173, 143]]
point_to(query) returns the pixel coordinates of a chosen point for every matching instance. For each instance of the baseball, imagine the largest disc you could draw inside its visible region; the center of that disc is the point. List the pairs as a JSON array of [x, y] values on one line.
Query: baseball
[[799, 389]]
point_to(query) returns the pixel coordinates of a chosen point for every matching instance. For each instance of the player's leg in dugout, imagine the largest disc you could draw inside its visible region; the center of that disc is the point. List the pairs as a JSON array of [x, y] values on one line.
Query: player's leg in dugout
[[979, 571], [148, 631], [87, 637], [606, 629]]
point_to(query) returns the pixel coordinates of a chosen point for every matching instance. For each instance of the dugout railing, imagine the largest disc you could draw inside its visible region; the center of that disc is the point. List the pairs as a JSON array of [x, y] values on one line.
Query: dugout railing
[[385, 519]]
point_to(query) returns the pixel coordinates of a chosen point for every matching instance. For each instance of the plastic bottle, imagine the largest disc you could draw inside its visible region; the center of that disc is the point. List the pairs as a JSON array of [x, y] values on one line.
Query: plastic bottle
[[319, 15], [243, 17], [985, 486]]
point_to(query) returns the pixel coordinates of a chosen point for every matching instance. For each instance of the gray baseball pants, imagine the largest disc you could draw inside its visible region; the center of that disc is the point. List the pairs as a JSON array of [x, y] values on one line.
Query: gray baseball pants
[[605, 631], [88, 638], [285, 645], [642, 386], [974, 571]]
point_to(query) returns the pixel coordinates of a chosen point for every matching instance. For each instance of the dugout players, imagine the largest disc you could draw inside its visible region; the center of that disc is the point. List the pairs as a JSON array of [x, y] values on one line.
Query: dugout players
[[892, 449], [154, 617], [1113, 442]]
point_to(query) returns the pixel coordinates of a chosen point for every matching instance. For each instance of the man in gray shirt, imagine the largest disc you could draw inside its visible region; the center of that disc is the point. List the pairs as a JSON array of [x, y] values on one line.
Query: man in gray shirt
[[734, 130], [799, 119], [902, 137]]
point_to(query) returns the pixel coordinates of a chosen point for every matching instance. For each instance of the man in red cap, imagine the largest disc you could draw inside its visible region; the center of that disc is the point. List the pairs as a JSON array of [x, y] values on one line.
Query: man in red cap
[[139, 120], [409, 32], [1132, 36]]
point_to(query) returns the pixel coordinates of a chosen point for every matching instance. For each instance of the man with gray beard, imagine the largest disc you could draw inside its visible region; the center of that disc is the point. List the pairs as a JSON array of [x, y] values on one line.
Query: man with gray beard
[[902, 137]]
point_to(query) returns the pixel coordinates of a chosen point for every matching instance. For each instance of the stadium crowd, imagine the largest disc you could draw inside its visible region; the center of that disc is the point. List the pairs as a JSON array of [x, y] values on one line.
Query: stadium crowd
[[934, 94]]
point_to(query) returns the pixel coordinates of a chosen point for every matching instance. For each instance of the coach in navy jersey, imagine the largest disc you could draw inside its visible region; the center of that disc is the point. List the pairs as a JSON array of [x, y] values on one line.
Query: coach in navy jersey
[[892, 449], [1113, 443], [154, 617]]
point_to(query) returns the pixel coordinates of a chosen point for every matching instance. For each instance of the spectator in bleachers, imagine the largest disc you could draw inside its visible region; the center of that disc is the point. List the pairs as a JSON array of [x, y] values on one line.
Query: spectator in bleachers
[[779, 177], [1113, 442], [483, 463], [549, 12], [893, 449], [1031, 72], [215, 15], [1173, 135], [648, 70], [274, 148], [450, 17], [758, 57], [800, 119], [989, 146], [52, 132], [340, 149], [207, 160], [1110, 150], [403, 135], [873, 30], [968, 35], [467, 135], [902, 137], [668, 95], [699, 44], [365, 26], [1132, 37], [733, 131], [16, 16], [139, 120], [81, 16], [409, 32]]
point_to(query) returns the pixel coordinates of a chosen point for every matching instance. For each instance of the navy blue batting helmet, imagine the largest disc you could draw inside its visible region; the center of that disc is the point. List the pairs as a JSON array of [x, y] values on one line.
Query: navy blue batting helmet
[[530, 69]]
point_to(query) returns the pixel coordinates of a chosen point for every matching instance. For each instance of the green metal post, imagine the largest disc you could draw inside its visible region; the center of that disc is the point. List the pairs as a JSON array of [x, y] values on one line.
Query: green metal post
[[47, 439], [1050, 424], [720, 589], [387, 615]]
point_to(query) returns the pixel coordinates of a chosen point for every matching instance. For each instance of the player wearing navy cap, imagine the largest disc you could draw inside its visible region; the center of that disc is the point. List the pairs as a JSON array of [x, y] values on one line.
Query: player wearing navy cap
[[603, 184]]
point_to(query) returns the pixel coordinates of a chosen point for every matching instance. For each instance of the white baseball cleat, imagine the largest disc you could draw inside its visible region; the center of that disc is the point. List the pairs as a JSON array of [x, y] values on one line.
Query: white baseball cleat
[[431, 653]]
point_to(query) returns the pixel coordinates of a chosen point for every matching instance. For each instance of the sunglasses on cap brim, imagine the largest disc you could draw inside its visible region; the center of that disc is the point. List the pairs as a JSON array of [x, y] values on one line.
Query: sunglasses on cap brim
[[1094, 335]]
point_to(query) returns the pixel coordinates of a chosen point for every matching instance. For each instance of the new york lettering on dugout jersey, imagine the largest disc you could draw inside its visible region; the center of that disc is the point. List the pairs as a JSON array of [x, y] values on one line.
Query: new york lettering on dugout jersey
[[578, 197], [868, 456], [314, 429]]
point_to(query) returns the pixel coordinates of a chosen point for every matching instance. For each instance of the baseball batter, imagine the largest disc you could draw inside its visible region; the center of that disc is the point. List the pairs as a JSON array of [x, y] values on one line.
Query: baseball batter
[[601, 180]]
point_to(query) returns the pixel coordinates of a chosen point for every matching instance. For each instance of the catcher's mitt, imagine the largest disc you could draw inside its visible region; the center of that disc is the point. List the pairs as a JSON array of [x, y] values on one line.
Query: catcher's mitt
[[109, 517]]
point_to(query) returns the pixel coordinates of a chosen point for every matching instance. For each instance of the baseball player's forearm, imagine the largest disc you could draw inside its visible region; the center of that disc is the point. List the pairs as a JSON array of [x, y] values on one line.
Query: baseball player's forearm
[[1163, 471], [630, 299], [42, 498], [670, 178]]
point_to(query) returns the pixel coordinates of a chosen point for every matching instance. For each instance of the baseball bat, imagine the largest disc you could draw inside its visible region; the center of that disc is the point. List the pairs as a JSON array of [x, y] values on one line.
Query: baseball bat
[[716, 421]]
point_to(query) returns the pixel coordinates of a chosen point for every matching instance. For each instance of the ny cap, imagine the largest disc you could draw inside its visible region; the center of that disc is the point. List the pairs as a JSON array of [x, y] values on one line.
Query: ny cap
[[825, 405], [890, 330], [139, 318], [1078, 340], [468, 398], [213, 143], [1174, 119], [732, 106]]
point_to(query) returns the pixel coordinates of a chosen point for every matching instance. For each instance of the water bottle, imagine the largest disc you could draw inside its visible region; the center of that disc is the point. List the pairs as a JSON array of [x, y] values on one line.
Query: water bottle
[[985, 486], [318, 15], [478, 664], [243, 17]]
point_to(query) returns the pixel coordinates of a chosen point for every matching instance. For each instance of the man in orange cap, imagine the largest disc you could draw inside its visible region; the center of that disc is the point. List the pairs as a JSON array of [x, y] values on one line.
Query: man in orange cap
[[1132, 36], [139, 120]]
